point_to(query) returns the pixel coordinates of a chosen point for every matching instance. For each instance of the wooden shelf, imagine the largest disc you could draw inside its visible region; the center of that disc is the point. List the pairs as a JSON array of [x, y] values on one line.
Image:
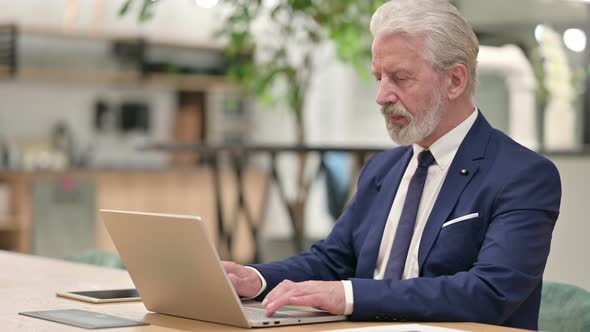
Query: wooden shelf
[[86, 76], [4, 71], [9, 224], [124, 78], [78, 33], [190, 82], [128, 77]]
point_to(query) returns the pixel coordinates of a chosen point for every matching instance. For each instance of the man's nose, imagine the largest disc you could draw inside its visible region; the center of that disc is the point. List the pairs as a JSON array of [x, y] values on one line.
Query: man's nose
[[386, 93]]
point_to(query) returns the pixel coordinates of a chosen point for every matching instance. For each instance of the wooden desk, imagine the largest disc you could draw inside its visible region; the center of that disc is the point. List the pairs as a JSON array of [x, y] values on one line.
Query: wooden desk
[[29, 283]]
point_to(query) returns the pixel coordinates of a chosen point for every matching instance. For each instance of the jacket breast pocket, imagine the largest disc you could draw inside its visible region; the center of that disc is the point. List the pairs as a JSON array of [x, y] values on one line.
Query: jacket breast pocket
[[457, 245], [465, 225], [467, 217]]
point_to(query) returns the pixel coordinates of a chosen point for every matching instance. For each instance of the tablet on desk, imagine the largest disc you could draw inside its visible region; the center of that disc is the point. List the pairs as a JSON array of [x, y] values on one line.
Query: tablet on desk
[[103, 296]]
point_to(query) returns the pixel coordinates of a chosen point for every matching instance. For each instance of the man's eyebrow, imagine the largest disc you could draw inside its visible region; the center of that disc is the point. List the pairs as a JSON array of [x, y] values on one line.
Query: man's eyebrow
[[402, 71], [395, 72]]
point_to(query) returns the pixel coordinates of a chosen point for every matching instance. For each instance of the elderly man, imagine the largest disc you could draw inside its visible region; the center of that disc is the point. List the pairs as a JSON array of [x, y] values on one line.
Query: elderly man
[[454, 225]]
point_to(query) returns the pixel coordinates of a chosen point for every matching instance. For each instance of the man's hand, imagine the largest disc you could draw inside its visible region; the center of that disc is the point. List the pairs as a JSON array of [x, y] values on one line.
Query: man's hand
[[324, 295], [245, 281]]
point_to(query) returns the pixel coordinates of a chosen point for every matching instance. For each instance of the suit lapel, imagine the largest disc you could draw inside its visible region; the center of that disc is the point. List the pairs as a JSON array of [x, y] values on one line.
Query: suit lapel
[[378, 216], [470, 153]]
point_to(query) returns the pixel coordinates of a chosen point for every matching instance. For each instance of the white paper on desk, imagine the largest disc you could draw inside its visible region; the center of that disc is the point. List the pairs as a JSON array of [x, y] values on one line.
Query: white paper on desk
[[399, 328]]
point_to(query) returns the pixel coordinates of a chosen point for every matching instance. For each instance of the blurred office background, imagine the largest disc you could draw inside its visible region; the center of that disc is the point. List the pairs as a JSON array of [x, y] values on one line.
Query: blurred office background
[[93, 105]]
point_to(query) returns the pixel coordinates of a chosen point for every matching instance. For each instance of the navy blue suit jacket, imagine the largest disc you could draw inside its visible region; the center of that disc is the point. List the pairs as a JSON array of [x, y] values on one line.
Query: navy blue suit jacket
[[488, 269]]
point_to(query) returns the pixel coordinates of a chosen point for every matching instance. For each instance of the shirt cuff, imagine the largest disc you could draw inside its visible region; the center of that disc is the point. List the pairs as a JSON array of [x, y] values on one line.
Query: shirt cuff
[[261, 280], [349, 297]]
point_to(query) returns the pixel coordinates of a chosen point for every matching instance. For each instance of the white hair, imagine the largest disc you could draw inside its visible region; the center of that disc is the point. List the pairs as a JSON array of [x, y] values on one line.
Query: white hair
[[450, 39]]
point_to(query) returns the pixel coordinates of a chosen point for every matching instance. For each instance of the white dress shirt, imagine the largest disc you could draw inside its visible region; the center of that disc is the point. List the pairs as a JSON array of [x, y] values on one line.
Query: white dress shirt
[[444, 151]]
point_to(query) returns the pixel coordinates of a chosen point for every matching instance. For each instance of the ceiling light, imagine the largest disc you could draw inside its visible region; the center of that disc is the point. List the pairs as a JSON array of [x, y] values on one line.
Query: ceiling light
[[206, 3], [273, 3], [575, 39], [539, 32]]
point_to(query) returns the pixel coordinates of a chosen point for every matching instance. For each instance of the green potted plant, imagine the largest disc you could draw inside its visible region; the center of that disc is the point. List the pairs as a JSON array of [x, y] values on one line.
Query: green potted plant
[[286, 59]]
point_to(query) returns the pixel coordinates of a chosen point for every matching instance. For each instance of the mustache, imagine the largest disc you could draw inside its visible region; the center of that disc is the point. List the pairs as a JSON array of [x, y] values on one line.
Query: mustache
[[396, 110]]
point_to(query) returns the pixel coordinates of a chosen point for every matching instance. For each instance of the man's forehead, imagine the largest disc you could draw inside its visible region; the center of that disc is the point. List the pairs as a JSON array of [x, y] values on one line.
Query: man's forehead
[[399, 51], [400, 39], [399, 65]]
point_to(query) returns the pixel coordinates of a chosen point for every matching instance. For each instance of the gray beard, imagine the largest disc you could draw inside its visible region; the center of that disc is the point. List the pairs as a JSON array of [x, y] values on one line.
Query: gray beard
[[417, 128]]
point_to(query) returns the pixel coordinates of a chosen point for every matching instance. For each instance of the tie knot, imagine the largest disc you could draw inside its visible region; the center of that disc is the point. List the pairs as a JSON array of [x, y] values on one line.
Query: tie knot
[[425, 159]]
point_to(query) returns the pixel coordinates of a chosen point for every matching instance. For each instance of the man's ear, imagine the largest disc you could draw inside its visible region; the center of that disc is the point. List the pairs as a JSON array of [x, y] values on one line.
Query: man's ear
[[457, 78]]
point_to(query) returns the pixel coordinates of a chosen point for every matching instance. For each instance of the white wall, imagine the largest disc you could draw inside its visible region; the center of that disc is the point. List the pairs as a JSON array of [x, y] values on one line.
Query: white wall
[[30, 110], [568, 260], [506, 12]]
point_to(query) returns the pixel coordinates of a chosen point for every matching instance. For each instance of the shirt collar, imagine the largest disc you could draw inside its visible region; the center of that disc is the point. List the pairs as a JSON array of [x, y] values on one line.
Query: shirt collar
[[445, 148]]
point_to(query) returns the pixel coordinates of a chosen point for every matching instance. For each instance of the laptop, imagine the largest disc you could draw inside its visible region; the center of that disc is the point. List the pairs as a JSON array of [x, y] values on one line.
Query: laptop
[[176, 269]]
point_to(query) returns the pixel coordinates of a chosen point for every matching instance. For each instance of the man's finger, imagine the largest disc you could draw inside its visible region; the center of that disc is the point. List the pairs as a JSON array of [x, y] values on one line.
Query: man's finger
[[308, 300], [284, 299], [281, 288], [231, 267], [236, 283], [276, 304]]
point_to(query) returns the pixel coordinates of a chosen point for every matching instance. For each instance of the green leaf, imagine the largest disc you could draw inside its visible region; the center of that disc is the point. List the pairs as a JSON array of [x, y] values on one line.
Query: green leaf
[[146, 12], [299, 5], [275, 12], [125, 7]]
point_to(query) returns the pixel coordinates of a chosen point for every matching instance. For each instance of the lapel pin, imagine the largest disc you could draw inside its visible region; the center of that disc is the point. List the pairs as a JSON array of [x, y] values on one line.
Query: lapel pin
[[464, 172]]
